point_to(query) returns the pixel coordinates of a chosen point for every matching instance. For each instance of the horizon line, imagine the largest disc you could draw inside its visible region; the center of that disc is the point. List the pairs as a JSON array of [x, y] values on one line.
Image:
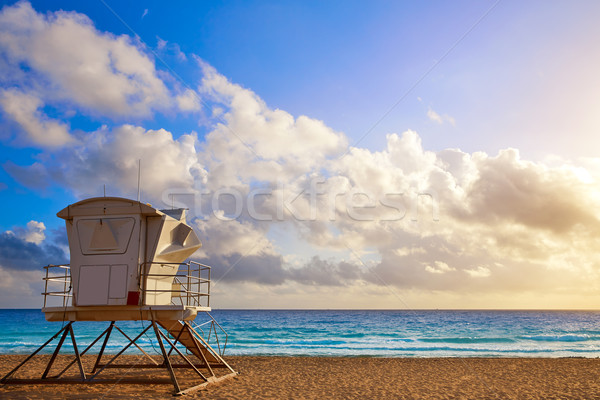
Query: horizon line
[[369, 309]]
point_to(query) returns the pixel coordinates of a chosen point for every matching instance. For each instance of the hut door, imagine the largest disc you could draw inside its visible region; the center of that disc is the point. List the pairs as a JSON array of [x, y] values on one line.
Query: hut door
[[93, 285]]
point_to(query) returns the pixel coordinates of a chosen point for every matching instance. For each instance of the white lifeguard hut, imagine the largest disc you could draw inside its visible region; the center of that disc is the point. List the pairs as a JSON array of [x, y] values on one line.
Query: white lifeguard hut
[[128, 263], [125, 262]]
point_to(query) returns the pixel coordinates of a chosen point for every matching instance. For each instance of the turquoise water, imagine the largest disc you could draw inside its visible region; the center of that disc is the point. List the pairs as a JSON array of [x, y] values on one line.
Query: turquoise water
[[402, 333]]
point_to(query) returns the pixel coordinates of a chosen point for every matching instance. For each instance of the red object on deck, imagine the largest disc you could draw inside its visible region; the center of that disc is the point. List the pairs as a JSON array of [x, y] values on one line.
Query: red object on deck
[[133, 298]]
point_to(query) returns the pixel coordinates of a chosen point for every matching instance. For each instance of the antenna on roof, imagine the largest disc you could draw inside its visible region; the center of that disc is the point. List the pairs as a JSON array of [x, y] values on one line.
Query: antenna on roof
[[139, 173], [105, 190]]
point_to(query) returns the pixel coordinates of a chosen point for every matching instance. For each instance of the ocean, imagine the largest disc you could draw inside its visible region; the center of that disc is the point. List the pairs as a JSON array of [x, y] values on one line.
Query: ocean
[[378, 333]]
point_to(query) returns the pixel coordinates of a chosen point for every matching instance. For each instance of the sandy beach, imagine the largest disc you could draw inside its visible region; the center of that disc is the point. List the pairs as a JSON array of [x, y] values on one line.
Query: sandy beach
[[344, 378]]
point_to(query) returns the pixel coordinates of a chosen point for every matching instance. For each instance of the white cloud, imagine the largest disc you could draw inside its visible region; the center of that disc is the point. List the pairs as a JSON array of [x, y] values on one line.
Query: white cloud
[[423, 220], [33, 233], [256, 142], [479, 272], [27, 248], [111, 157], [439, 268], [70, 60], [491, 210], [454, 212], [25, 110], [188, 101]]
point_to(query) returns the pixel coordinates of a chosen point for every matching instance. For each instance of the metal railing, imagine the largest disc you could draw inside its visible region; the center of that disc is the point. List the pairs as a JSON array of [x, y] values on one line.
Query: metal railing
[[190, 285], [57, 277]]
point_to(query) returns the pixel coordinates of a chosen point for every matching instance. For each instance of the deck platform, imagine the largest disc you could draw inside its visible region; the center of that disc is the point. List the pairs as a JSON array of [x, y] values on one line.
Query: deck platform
[[124, 313]]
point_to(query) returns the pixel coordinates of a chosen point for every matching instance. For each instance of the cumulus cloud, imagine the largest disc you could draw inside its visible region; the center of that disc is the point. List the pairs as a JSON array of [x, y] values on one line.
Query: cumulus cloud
[[479, 272], [23, 253], [24, 108], [256, 142], [188, 101], [446, 221], [98, 70], [525, 193], [32, 233], [28, 252], [401, 216], [439, 267], [69, 63], [460, 217], [110, 156]]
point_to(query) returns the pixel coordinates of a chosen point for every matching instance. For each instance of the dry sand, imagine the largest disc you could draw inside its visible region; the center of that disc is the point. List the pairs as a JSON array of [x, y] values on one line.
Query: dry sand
[[344, 378]]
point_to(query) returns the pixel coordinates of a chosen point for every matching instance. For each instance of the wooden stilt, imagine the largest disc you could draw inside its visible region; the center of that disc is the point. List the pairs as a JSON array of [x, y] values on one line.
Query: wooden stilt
[[182, 356], [7, 376], [166, 358], [119, 353], [136, 345], [77, 357], [185, 336], [108, 331], [82, 353], [60, 343]]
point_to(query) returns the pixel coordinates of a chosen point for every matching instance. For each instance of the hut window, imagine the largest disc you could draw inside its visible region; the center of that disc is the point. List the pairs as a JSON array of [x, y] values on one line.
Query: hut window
[[105, 235]]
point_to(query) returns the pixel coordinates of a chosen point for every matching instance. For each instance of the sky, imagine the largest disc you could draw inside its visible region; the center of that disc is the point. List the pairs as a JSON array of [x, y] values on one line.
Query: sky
[[397, 155]]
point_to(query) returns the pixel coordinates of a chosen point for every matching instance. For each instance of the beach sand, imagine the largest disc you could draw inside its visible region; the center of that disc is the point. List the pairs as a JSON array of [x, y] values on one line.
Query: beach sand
[[343, 378]]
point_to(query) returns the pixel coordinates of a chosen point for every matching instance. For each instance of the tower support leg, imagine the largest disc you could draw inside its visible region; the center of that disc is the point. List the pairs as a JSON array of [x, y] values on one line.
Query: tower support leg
[[202, 359], [166, 358]]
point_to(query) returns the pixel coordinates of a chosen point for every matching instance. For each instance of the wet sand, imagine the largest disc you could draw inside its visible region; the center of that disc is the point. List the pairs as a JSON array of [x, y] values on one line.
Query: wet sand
[[338, 378]]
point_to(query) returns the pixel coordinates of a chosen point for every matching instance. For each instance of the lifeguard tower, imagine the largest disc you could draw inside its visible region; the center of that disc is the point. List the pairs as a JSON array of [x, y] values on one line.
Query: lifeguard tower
[[128, 264]]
